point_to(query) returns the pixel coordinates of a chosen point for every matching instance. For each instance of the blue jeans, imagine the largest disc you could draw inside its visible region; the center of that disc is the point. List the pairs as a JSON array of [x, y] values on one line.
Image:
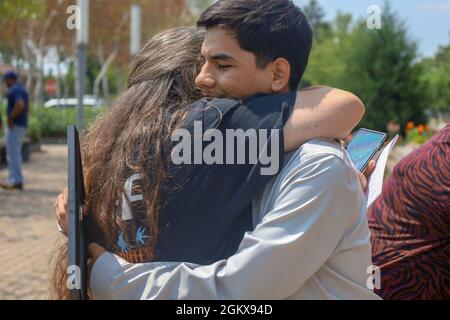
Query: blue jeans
[[14, 139]]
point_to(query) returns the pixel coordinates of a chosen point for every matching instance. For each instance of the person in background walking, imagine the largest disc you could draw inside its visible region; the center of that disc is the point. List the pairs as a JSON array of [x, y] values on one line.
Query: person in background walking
[[16, 127]]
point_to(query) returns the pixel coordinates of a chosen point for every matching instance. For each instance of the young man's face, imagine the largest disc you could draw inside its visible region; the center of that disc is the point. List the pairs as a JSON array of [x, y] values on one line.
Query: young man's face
[[230, 71]]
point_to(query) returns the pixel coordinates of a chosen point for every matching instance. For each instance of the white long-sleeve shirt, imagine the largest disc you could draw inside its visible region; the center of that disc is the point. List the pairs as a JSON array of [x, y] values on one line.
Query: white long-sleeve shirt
[[311, 241]]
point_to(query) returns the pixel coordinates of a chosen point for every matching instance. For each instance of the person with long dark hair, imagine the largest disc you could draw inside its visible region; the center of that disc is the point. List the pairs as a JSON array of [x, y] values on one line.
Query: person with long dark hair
[[146, 208]]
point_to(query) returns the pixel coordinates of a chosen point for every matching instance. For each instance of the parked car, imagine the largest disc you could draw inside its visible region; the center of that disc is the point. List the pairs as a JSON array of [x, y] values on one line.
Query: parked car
[[88, 101]]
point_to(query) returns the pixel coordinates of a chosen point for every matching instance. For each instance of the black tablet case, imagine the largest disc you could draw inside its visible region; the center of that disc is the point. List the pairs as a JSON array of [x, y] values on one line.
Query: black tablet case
[[77, 250]]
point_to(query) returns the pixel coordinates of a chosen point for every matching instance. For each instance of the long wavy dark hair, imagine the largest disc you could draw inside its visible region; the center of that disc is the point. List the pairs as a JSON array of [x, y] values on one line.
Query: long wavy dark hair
[[130, 138]]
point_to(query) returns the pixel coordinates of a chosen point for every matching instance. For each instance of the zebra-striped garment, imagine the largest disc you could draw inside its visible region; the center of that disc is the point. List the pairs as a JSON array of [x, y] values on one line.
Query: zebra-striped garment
[[410, 225]]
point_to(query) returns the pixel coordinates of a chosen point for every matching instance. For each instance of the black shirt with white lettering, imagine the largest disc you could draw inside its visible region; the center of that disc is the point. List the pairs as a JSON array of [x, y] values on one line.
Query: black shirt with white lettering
[[225, 154]]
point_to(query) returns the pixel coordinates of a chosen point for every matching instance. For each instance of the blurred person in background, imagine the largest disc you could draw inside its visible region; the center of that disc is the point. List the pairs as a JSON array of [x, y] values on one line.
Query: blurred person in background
[[410, 225], [17, 111]]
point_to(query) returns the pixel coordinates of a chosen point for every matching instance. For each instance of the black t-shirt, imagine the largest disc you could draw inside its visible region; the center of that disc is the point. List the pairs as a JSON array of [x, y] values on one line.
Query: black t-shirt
[[206, 207]]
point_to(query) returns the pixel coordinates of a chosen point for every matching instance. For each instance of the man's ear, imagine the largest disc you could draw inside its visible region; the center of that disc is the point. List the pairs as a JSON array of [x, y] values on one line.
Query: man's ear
[[281, 73]]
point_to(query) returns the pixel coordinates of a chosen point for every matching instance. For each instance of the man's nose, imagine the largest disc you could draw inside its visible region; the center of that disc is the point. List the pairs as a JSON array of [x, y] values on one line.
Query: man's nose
[[205, 79]]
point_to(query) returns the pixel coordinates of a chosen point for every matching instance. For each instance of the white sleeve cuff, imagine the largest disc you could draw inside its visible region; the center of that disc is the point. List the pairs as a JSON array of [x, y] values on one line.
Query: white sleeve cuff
[[102, 276]]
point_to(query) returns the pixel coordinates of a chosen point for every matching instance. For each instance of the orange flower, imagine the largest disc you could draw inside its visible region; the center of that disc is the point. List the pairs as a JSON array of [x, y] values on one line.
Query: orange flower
[[420, 128], [427, 128], [409, 125]]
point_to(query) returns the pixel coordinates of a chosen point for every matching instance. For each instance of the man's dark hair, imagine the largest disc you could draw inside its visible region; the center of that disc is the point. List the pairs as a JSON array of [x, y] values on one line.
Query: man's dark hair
[[269, 29]]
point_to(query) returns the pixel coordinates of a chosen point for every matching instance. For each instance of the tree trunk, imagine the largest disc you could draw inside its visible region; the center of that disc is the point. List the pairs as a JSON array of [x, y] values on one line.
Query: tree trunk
[[105, 87], [28, 57], [58, 71], [39, 78], [103, 71], [41, 56], [110, 58]]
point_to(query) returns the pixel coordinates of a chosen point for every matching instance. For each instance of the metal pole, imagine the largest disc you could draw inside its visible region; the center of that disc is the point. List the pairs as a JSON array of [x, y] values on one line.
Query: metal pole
[[135, 30], [81, 57], [82, 40]]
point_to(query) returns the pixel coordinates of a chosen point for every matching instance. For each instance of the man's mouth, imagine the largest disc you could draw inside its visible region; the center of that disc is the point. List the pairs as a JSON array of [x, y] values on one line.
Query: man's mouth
[[213, 94]]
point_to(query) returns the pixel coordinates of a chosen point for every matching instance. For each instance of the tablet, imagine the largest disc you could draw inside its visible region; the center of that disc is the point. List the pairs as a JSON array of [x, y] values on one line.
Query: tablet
[[77, 249]]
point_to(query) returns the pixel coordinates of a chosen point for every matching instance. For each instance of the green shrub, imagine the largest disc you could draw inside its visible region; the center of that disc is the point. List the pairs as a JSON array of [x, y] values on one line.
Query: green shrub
[[34, 129], [53, 122]]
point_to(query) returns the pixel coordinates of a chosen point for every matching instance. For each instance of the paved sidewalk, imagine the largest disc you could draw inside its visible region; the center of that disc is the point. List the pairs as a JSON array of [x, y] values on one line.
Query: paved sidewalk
[[27, 225]]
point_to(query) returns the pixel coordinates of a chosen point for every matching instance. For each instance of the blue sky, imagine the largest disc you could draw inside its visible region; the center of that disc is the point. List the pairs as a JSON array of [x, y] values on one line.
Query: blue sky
[[428, 22]]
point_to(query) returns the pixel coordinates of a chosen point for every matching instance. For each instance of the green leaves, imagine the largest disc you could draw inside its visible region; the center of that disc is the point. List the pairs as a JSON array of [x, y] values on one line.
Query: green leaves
[[53, 122], [20, 9], [437, 78], [380, 66]]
